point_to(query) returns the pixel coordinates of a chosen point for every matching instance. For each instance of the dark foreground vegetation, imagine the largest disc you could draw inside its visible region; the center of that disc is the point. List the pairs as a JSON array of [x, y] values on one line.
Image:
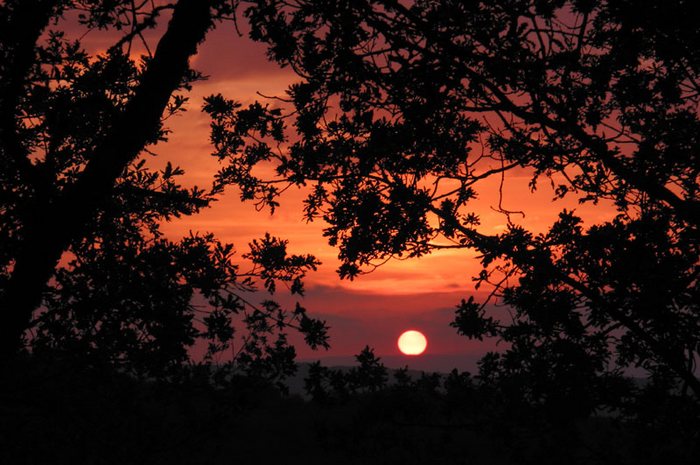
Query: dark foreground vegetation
[[62, 412], [401, 110]]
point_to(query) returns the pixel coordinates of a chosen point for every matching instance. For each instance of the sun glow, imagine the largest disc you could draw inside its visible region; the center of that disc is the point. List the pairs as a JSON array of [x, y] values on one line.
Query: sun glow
[[412, 342]]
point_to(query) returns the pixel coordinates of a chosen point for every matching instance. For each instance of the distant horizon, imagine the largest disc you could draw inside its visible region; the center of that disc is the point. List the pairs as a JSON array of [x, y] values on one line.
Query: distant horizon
[[426, 362]]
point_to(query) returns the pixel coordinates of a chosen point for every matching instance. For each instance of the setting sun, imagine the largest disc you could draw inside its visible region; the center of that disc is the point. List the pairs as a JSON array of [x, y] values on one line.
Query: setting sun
[[412, 343]]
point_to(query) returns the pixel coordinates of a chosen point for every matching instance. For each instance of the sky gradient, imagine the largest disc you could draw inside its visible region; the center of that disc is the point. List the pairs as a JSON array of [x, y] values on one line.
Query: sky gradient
[[375, 308]]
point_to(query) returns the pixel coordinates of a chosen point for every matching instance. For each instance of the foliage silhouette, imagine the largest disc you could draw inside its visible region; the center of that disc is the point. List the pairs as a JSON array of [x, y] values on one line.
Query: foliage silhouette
[[325, 384], [85, 270], [404, 107]]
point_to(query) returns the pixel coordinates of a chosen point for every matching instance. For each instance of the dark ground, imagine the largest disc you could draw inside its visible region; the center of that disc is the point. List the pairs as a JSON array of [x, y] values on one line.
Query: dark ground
[[61, 413]]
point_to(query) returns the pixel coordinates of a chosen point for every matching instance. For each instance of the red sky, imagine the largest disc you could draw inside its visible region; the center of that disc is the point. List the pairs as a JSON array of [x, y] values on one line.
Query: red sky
[[374, 309]]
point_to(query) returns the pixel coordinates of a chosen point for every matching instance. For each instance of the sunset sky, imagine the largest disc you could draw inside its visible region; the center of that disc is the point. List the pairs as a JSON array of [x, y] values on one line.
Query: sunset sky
[[375, 308]]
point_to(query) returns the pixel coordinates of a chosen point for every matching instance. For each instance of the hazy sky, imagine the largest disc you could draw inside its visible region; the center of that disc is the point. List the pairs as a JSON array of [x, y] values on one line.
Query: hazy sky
[[374, 309]]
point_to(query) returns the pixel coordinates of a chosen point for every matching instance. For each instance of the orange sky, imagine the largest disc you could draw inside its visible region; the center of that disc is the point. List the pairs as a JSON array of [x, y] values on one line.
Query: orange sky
[[374, 309]]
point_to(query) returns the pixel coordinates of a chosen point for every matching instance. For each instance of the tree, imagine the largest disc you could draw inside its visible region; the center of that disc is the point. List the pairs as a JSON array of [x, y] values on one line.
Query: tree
[[74, 136], [404, 107], [327, 384]]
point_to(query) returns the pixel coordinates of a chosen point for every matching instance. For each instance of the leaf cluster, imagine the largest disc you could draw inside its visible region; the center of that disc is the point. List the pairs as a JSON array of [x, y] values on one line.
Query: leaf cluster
[[404, 108], [125, 295]]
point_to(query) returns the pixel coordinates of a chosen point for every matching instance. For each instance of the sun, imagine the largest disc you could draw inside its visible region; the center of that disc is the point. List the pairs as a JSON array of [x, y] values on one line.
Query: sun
[[412, 342]]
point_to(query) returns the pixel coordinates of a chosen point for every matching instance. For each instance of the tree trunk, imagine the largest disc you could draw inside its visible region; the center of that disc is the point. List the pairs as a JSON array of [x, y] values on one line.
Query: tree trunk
[[55, 224]]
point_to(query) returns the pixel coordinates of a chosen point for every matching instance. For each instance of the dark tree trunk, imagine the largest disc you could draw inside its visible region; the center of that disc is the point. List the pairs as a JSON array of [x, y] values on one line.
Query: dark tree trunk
[[54, 224]]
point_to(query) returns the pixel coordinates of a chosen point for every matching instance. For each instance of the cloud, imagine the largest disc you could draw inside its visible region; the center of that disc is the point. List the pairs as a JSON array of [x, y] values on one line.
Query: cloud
[[358, 318]]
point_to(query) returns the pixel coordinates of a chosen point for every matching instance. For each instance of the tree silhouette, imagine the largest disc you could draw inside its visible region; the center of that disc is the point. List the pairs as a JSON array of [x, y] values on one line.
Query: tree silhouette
[[404, 107], [327, 384], [74, 135]]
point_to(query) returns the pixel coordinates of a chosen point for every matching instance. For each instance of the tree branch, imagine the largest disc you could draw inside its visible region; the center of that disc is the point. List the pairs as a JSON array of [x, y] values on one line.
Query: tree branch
[[49, 230], [672, 360]]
